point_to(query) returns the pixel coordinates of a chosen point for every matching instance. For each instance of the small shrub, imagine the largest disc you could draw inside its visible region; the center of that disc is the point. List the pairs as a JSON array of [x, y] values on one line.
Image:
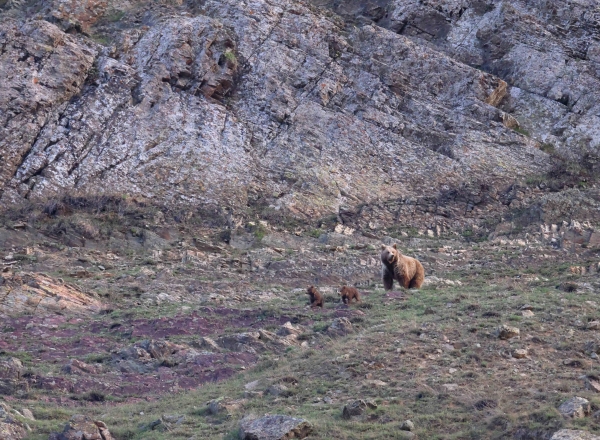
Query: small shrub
[[521, 131], [548, 148]]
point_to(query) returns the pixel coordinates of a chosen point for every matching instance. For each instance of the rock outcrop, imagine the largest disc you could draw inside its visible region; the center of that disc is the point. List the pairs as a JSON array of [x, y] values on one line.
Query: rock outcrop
[[41, 294], [546, 55], [276, 106]]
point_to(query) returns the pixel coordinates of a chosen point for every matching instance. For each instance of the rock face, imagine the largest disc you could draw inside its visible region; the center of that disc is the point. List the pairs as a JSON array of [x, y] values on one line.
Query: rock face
[[272, 105], [274, 427], [545, 53]]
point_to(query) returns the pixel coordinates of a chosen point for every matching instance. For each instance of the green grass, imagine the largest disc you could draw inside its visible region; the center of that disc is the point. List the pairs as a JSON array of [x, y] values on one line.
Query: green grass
[[521, 131], [113, 17]]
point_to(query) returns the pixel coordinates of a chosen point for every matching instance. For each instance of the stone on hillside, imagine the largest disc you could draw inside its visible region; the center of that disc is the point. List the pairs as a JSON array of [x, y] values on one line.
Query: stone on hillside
[[81, 427], [221, 405], [375, 383], [527, 314], [27, 414], [571, 434], [274, 427], [593, 325], [592, 383], [519, 353], [407, 425], [209, 344], [450, 387], [242, 342], [158, 349], [575, 407], [279, 390], [507, 332], [340, 327], [288, 329], [355, 408], [78, 367], [11, 368], [10, 428]]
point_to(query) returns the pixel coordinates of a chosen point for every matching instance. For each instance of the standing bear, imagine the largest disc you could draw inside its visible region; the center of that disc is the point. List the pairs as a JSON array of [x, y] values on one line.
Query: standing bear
[[407, 271]]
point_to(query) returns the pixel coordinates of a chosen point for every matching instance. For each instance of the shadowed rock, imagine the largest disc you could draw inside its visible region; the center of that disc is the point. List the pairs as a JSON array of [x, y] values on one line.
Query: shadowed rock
[[275, 427]]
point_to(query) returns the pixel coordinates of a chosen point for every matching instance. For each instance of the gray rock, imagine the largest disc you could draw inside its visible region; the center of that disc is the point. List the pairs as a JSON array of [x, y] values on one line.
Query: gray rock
[[279, 390], [242, 342], [575, 407], [407, 425], [507, 332], [340, 327], [27, 414], [10, 428], [274, 427], [82, 427], [355, 408], [11, 368], [571, 434]]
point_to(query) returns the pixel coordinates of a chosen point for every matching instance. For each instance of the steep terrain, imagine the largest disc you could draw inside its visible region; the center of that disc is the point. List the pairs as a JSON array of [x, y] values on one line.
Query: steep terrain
[[236, 104], [174, 174]]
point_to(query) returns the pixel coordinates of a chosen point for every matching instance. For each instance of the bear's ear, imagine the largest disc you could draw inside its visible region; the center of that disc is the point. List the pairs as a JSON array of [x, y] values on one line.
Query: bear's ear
[[383, 246], [395, 247]]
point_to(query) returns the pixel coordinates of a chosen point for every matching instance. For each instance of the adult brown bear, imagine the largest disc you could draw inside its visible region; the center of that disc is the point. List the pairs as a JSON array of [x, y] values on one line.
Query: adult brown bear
[[407, 271]]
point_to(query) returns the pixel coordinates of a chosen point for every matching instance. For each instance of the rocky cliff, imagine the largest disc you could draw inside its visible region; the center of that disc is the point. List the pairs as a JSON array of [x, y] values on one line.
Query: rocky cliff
[[286, 106]]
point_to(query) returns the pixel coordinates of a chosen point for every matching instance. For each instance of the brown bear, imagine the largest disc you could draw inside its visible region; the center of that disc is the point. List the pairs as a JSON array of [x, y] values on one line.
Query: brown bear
[[348, 294], [407, 271], [316, 299]]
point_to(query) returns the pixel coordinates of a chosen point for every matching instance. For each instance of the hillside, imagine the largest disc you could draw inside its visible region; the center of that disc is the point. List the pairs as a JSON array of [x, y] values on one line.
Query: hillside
[[174, 174]]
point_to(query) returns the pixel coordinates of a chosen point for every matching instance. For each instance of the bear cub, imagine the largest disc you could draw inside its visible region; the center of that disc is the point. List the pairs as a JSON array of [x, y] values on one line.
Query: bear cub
[[348, 294], [407, 271], [316, 299]]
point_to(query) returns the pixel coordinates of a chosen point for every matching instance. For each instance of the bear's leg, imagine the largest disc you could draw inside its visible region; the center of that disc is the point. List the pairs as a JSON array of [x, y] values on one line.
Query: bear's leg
[[357, 297], [388, 278], [417, 280], [405, 282]]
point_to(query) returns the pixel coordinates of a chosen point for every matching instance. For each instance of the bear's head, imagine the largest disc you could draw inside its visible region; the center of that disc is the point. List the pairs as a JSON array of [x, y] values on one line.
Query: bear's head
[[343, 291], [389, 254], [312, 290]]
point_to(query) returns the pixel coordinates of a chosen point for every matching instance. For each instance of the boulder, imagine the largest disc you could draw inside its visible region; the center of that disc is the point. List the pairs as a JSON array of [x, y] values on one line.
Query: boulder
[[81, 427], [274, 427], [407, 425], [11, 368], [78, 367], [575, 407], [507, 332], [572, 434], [10, 428], [242, 342], [357, 407], [340, 327]]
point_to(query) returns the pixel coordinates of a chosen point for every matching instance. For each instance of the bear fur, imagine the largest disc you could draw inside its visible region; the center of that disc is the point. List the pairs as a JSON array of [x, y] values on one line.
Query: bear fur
[[348, 294], [316, 299], [407, 271]]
